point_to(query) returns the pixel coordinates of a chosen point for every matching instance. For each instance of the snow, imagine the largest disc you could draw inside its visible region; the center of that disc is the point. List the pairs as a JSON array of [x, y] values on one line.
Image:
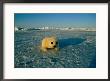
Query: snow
[[77, 49]]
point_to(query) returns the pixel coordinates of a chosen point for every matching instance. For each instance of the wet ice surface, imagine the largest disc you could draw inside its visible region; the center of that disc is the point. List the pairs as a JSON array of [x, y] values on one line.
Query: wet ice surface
[[76, 50]]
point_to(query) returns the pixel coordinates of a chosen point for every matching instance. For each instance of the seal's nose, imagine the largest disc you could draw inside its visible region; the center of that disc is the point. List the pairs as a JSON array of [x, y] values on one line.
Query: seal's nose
[[54, 46]]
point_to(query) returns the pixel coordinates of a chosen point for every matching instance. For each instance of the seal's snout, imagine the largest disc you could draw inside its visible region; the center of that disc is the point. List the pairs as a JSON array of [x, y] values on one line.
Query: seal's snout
[[54, 46]]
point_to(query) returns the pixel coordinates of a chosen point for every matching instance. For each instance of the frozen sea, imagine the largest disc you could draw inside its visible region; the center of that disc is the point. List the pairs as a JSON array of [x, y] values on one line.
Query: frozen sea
[[77, 49]]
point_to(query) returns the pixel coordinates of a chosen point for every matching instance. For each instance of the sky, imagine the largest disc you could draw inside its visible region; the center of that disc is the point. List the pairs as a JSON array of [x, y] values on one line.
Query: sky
[[74, 20]]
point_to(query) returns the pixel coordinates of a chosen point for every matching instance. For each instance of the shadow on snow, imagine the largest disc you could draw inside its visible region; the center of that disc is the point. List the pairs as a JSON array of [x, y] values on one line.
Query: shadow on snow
[[71, 41]]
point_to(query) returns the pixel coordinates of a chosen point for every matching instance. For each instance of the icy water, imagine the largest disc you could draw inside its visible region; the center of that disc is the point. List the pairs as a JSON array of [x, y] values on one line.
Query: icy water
[[76, 49]]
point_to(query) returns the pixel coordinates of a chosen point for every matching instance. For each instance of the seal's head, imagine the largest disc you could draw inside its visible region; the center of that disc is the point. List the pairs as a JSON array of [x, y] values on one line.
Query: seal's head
[[49, 42]]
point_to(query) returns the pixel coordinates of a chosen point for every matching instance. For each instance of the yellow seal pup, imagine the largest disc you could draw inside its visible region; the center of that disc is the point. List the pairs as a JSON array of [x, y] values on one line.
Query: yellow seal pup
[[49, 43]]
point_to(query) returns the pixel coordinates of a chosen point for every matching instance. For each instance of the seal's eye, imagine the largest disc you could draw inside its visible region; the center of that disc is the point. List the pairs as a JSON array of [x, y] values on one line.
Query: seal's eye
[[56, 42], [51, 42]]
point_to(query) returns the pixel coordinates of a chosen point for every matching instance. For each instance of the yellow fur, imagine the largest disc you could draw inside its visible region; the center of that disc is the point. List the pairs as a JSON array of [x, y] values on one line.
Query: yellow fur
[[48, 42]]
